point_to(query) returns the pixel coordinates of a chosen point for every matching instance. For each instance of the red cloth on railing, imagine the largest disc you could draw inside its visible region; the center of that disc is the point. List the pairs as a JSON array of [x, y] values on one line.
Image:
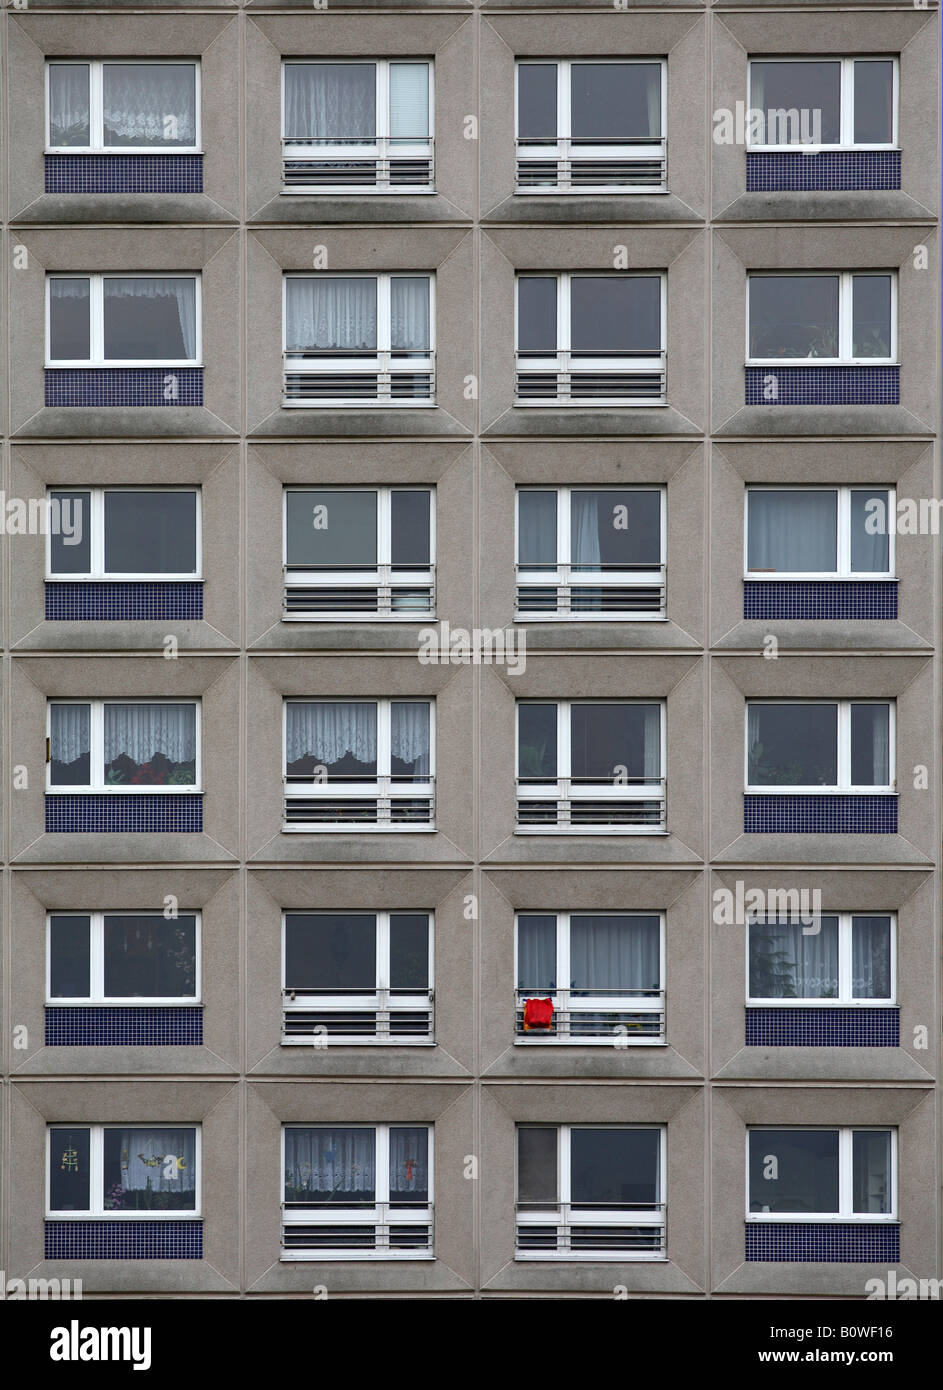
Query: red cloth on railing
[[538, 1013]]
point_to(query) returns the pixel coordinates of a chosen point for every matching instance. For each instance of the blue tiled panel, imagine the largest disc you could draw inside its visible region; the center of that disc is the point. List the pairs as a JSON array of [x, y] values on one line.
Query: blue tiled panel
[[124, 173], [792, 171], [85, 1025], [149, 812], [124, 1240], [819, 598], [822, 385], [798, 1027], [834, 1242], [117, 386], [820, 814], [114, 600]]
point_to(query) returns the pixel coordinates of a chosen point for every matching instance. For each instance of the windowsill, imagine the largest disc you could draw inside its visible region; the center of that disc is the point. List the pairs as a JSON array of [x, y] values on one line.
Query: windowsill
[[112, 150], [318, 1043], [600, 404], [820, 791], [800, 148], [146, 1214], [124, 579], [611, 617], [124, 1003], [822, 1004], [618, 1044], [762, 576], [822, 362], [343, 619], [314, 1257], [137, 790], [603, 191], [358, 405], [589, 830], [354, 828], [151, 365], [590, 1257], [354, 191], [756, 1218]]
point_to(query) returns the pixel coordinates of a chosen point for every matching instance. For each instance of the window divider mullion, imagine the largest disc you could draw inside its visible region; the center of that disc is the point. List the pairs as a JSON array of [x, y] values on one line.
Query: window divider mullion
[[97, 531], [97, 954], [845, 958], [845, 1165], [96, 310], [96, 1170]]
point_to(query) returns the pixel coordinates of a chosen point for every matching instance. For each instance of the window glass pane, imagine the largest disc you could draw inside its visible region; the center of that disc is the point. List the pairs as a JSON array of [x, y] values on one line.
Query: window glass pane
[[69, 1169], [150, 318], [536, 953], [409, 313], [536, 1165], [793, 315], [409, 739], [537, 313], [870, 544], [330, 313], [150, 745], [874, 102], [871, 1171], [335, 950], [615, 101], [69, 734], [608, 738], [409, 101], [151, 104], [792, 745], [798, 100], [330, 101], [790, 960], [70, 542], [330, 1165], [537, 741], [69, 323], [150, 956], [614, 1167], [69, 957], [794, 1170], [409, 1163], [409, 950], [68, 104], [150, 532], [615, 953], [339, 736], [617, 529], [150, 1170], [870, 745], [537, 101], [409, 519], [871, 316], [612, 313], [792, 531], [871, 957], [336, 530], [536, 529]]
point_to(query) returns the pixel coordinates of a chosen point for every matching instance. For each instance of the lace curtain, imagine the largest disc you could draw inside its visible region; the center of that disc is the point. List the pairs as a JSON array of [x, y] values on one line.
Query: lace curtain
[[140, 731], [339, 313], [330, 1164], [327, 730], [149, 104], [69, 727], [141, 1156], [787, 963]]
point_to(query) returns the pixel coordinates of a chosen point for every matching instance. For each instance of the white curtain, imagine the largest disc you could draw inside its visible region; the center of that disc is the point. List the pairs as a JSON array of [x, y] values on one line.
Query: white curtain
[[409, 313], [614, 953], [871, 957], [142, 1156], [330, 1163], [870, 745], [327, 731], [409, 1163], [182, 289], [792, 531], [584, 537], [409, 735], [140, 731], [652, 737], [788, 963], [409, 101], [138, 99], [869, 550], [537, 953], [331, 311], [330, 102], [68, 104], [653, 102], [69, 732]]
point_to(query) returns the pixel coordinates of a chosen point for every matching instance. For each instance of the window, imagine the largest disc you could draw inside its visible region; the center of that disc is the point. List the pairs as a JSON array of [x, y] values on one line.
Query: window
[[590, 1192], [357, 1192], [115, 107], [357, 125], [359, 340], [123, 746], [359, 553], [123, 1172], [590, 339], [811, 1174], [819, 532], [590, 554], [357, 977], [603, 972], [825, 318], [591, 127], [359, 764], [122, 958], [122, 320], [837, 958], [127, 533], [827, 103], [816, 745], [590, 765]]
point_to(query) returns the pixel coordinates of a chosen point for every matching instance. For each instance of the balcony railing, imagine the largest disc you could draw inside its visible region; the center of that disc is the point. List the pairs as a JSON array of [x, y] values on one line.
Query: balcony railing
[[589, 592], [569, 165], [619, 1017], [575, 806], [346, 593], [380, 165], [352, 1230], [366, 803], [359, 377], [357, 1016], [616, 1230], [583, 378]]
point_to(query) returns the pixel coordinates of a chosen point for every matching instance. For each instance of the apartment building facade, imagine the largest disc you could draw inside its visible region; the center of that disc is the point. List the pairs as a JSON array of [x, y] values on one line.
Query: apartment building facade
[[471, 648]]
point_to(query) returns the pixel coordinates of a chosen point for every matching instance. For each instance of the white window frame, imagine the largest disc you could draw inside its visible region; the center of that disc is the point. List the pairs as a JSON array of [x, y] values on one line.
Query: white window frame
[[591, 1003], [845, 319], [563, 150], [381, 577], [843, 570], [334, 1214], [97, 749], [96, 994], [383, 149], [844, 786], [845, 997], [96, 1167], [559, 788], [96, 522], [96, 93], [566, 577], [560, 1215], [847, 99], [380, 999], [845, 1174], [96, 312]]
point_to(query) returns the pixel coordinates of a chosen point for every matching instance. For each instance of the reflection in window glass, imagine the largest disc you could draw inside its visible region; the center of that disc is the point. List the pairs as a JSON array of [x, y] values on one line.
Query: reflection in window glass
[[794, 1170], [871, 316], [870, 745], [794, 316], [792, 745], [811, 90], [788, 961], [69, 104], [874, 102]]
